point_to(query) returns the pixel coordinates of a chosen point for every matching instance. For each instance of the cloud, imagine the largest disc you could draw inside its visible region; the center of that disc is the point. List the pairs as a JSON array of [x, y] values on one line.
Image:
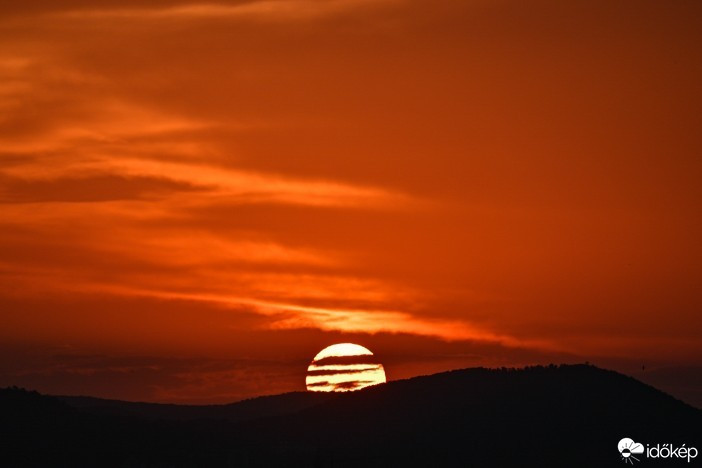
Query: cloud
[[98, 188], [351, 385], [344, 370], [257, 188], [257, 10], [342, 360], [291, 316], [92, 136]]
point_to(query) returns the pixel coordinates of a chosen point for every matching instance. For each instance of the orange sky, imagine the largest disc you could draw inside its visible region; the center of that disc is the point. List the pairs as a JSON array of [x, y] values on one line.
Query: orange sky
[[196, 198]]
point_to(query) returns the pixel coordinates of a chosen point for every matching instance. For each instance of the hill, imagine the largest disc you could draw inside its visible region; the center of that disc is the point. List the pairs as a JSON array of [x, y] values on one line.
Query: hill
[[538, 416], [240, 411]]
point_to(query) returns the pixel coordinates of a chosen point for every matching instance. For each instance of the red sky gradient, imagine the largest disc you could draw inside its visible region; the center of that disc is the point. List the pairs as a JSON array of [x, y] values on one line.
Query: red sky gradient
[[196, 198]]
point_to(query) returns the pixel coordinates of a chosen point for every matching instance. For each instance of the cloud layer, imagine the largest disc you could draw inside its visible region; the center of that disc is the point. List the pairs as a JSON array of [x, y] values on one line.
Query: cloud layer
[[510, 183]]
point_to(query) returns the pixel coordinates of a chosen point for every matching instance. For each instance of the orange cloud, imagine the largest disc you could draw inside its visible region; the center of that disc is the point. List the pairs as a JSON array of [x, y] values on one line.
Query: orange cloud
[[261, 10]]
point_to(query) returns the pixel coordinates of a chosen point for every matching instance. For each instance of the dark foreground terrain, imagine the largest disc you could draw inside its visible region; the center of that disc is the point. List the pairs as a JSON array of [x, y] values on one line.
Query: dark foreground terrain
[[565, 416]]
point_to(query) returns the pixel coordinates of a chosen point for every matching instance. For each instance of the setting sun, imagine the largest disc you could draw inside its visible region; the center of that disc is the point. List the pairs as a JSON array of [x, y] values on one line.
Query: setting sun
[[344, 367]]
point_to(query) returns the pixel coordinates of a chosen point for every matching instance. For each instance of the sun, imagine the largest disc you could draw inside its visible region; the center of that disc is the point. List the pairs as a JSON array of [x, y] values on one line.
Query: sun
[[344, 367]]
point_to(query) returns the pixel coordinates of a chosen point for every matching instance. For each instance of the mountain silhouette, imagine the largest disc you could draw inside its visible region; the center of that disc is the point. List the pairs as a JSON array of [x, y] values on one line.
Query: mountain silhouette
[[253, 408], [565, 416]]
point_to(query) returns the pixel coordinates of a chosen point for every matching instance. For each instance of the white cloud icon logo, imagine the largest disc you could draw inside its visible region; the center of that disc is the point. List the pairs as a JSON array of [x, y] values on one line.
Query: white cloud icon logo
[[628, 448]]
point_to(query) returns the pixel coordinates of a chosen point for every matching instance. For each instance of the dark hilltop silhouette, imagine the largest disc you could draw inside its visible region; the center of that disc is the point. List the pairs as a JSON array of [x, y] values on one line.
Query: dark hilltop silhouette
[[554, 416]]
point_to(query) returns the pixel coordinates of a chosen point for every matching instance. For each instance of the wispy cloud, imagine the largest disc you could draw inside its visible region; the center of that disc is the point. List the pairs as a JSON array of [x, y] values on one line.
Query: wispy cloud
[[261, 10], [92, 141], [286, 316]]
